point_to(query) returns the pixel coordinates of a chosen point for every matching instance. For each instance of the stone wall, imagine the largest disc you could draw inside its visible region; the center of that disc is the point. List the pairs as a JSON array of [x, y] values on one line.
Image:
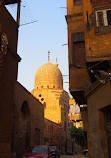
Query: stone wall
[[54, 134], [29, 121]]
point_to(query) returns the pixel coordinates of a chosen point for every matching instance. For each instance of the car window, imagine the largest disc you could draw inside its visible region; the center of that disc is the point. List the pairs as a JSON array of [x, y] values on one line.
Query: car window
[[52, 148], [37, 150]]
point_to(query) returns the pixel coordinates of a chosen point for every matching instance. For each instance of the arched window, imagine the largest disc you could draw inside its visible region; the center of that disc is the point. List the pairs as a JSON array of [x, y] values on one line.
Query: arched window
[[25, 112], [47, 86], [42, 99]]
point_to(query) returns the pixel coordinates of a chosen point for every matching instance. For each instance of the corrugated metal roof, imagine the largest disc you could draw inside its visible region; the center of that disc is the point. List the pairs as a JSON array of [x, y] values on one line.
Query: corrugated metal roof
[[6, 2]]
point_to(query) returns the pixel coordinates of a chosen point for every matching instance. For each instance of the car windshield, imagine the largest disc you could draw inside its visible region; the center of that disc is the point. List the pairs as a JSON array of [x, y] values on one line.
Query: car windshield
[[37, 150], [52, 148]]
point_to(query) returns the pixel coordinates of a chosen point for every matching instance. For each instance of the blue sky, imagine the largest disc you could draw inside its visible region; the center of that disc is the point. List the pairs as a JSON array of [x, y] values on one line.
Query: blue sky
[[49, 33]]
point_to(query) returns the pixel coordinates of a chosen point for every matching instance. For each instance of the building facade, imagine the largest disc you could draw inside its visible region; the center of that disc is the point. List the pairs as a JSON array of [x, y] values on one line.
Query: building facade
[[8, 74], [49, 91], [89, 44], [74, 114]]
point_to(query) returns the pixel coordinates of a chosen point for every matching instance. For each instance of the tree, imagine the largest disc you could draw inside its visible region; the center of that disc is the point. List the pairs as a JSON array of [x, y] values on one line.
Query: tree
[[79, 136]]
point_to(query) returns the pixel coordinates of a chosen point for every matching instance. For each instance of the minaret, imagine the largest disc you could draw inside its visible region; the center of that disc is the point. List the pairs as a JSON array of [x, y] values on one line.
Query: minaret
[[48, 56]]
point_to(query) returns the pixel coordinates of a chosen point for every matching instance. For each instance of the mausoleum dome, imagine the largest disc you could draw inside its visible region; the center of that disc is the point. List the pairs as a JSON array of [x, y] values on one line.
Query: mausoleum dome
[[48, 76]]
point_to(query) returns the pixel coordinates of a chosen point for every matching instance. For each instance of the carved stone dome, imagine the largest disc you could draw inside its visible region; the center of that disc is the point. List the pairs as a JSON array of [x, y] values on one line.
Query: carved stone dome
[[48, 76]]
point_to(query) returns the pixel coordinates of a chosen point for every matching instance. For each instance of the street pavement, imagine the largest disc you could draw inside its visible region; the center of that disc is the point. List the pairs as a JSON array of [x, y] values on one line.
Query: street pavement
[[73, 156]]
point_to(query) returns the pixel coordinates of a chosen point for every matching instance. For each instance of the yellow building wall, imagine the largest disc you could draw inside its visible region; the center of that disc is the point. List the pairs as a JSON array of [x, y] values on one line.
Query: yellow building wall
[[98, 47], [75, 23], [71, 9], [52, 110], [72, 101], [54, 103]]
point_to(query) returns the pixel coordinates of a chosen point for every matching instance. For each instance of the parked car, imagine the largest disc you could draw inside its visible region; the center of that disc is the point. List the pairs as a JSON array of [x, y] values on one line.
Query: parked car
[[55, 151], [85, 152], [37, 151]]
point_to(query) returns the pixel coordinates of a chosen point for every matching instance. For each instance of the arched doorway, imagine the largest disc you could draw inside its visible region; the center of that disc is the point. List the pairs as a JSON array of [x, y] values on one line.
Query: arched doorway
[[24, 129], [25, 112]]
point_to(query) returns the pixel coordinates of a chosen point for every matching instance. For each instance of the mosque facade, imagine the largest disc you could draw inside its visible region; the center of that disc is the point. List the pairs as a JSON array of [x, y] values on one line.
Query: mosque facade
[[49, 91], [41, 117]]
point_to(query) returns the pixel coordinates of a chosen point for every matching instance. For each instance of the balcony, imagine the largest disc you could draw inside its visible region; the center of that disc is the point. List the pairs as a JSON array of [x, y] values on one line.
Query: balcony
[[79, 81]]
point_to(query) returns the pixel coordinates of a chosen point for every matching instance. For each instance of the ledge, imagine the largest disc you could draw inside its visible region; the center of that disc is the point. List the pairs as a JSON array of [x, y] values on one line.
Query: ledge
[[73, 15], [102, 30], [15, 55], [95, 58]]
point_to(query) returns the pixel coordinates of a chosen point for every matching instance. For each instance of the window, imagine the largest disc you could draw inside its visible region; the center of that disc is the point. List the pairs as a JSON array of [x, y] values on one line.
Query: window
[[78, 49], [78, 56], [109, 16], [40, 95], [42, 99], [100, 19], [103, 18], [37, 149], [77, 2]]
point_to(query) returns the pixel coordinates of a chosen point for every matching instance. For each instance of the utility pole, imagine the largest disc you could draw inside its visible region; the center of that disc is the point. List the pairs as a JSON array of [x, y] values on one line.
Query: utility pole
[[18, 12]]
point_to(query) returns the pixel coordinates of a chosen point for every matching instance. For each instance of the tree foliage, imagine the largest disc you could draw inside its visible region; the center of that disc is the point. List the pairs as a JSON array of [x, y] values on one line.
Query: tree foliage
[[78, 135]]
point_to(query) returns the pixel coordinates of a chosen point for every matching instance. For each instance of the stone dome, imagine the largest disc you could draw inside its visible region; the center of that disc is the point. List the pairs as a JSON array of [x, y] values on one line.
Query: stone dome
[[48, 76]]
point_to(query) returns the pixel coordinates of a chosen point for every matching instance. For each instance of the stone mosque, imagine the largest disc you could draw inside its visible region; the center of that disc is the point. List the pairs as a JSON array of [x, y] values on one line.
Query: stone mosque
[[49, 90]]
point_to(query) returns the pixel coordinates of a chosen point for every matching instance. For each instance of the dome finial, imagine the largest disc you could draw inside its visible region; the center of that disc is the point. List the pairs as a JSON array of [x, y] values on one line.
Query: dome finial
[[56, 64], [48, 56]]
